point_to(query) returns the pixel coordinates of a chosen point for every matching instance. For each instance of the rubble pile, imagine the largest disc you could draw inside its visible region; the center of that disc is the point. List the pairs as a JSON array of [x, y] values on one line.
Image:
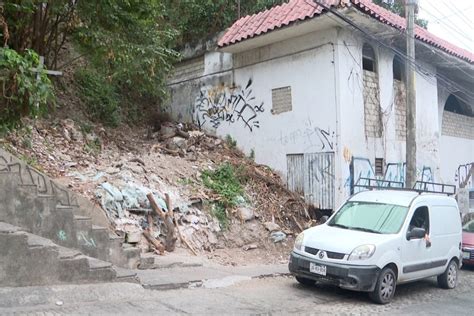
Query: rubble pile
[[117, 169]]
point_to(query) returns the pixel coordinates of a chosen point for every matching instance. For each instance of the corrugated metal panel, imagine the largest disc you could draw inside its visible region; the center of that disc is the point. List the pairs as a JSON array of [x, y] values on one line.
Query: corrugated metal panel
[[319, 186], [295, 172]]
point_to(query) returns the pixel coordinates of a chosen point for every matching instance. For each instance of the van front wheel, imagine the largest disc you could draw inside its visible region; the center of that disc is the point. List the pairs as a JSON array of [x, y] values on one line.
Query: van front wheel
[[385, 287], [449, 279]]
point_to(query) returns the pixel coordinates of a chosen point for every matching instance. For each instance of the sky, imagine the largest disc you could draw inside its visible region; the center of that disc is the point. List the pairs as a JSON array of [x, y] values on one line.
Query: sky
[[451, 20]]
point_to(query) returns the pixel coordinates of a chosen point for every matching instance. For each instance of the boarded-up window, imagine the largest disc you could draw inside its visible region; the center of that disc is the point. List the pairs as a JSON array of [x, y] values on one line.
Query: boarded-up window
[[281, 100]]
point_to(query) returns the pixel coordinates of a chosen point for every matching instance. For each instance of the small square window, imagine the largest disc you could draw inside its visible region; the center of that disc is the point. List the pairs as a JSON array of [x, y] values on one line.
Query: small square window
[[281, 100]]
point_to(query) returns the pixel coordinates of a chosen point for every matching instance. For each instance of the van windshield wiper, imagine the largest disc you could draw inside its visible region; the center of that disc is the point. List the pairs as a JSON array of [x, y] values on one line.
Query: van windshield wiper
[[365, 230], [338, 225]]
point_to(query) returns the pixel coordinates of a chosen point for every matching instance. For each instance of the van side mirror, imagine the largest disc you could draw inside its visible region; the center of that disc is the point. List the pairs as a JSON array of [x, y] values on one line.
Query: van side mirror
[[416, 233]]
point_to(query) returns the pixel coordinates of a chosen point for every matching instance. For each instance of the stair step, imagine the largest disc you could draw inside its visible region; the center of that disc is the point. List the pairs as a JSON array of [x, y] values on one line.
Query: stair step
[[82, 218], [96, 227], [8, 229], [35, 241], [45, 196], [98, 264], [68, 253], [125, 275]]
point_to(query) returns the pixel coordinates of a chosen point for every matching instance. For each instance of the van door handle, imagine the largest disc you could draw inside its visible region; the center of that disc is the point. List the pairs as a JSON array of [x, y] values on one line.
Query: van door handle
[[428, 244]]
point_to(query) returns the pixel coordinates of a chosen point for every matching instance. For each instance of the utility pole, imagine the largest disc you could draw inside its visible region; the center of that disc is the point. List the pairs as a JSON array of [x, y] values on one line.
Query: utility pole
[[238, 9], [411, 95]]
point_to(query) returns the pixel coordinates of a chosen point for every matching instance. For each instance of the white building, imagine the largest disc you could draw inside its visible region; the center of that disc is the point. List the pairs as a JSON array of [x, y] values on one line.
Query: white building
[[324, 102]]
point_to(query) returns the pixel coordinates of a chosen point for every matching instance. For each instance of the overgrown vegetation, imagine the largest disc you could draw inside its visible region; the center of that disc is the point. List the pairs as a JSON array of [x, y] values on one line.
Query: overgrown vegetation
[[197, 19], [23, 92], [128, 46], [100, 97], [129, 42], [226, 181]]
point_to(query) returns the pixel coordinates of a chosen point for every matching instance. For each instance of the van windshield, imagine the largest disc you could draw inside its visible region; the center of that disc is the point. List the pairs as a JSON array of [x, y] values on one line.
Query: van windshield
[[370, 217]]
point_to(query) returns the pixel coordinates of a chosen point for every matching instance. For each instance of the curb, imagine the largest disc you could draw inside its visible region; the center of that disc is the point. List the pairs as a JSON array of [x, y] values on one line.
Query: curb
[[200, 283]]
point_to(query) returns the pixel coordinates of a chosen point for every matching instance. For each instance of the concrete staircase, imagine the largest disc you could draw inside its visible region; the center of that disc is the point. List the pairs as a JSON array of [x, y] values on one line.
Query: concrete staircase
[[27, 259], [32, 201]]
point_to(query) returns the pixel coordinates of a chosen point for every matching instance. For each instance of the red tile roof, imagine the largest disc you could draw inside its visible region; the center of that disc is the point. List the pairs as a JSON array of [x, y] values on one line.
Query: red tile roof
[[299, 10]]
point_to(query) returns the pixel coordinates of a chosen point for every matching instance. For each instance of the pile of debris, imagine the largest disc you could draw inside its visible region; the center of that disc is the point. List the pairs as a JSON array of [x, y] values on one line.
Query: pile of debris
[[149, 184]]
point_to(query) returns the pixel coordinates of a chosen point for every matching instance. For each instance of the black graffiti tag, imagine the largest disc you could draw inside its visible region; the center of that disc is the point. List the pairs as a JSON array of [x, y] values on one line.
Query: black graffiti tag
[[221, 104]]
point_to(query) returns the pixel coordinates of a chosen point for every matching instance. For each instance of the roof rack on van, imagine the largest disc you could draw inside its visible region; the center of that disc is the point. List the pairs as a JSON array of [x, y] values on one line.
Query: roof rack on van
[[420, 186], [433, 187], [372, 183]]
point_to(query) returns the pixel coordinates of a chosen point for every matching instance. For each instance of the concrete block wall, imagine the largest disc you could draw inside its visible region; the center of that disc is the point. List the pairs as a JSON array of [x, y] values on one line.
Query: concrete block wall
[[399, 105], [372, 114], [192, 68], [458, 125]]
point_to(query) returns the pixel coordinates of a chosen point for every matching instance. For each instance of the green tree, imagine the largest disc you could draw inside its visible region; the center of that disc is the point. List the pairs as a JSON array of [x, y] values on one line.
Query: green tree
[[197, 19], [40, 25], [128, 41], [398, 7], [21, 92]]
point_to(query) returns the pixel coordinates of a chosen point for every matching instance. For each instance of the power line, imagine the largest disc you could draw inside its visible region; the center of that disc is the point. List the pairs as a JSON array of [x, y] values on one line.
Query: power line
[[453, 8], [456, 32], [448, 82]]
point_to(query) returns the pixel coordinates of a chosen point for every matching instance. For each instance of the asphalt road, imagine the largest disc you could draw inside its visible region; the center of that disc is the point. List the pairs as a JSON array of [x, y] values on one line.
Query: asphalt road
[[280, 295]]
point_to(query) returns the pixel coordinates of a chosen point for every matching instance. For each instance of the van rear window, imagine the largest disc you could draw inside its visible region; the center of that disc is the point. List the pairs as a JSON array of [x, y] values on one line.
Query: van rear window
[[370, 217]]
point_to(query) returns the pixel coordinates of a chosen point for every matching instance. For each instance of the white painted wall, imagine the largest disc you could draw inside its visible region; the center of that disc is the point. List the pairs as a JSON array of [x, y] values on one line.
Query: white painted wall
[[353, 141], [455, 152], [324, 71], [306, 65]]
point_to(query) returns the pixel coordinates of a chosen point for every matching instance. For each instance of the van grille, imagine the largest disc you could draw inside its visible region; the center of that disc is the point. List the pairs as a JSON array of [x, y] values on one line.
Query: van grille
[[310, 250], [330, 255], [335, 255]]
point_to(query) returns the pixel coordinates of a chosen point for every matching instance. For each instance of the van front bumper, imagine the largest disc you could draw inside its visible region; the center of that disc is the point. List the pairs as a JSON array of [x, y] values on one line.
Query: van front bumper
[[352, 277]]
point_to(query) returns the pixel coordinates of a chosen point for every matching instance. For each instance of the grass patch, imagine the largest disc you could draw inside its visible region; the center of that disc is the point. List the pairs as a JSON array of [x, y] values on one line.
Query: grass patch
[[226, 182]]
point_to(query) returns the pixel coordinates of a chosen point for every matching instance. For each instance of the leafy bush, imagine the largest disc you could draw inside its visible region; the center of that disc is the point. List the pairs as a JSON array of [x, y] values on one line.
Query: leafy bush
[[225, 181], [22, 93], [100, 96]]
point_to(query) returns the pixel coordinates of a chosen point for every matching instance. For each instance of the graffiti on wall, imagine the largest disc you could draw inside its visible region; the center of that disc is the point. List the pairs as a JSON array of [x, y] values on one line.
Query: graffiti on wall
[[313, 137], [362, 168], [464, 175], [228, 104]]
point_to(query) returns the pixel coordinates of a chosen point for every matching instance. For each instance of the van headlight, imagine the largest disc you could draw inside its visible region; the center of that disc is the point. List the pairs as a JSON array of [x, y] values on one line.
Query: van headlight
[[362, 252], [299, 241]]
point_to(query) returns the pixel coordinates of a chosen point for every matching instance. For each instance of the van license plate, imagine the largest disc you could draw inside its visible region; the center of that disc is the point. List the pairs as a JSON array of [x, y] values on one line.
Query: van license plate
[[466, 255], [316, 268]]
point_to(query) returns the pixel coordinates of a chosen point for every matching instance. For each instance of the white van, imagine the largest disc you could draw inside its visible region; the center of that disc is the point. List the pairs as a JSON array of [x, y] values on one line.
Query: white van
[[379, 239]]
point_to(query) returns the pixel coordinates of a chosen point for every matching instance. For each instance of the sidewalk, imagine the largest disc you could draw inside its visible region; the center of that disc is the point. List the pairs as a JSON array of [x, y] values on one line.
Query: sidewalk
[[181, 270]]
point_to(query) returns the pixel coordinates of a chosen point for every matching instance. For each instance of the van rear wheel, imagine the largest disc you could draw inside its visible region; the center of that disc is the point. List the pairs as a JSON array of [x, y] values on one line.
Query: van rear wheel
[[385, 287], [305, 281], [449, 279]]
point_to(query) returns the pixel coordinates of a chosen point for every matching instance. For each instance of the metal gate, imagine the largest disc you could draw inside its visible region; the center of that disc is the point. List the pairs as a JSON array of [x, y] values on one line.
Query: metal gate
[[313, 174]]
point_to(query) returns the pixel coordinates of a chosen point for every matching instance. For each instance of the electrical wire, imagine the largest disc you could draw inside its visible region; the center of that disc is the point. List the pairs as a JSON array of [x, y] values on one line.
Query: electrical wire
[[455, 32], [448, 83]]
